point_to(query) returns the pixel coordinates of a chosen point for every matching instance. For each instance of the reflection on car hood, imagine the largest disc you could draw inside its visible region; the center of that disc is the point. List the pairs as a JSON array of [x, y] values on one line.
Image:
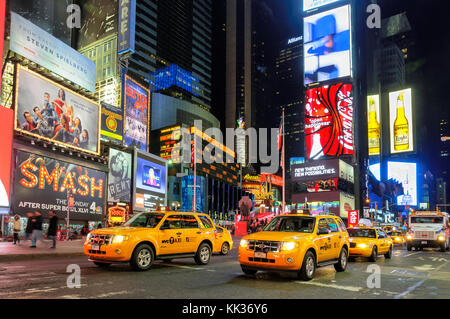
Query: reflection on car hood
[[276, 236], [120, 230]]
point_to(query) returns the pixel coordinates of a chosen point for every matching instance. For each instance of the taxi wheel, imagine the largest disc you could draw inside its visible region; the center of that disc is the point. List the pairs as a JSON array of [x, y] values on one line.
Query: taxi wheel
[[408, 247], [102, 265], [203, 254], [142, 258], [388, 255], [225, 249], [343, 261], [374, 255], [308, 269]]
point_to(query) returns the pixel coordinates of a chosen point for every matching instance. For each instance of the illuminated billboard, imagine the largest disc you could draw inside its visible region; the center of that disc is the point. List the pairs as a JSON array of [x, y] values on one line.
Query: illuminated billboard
[[327, 45], [49, 111], [6, 132], [329, 121], [406, 174], [119, 177], [150, 179], [374, 124], [137, 114], [314, 4], [401, 121]]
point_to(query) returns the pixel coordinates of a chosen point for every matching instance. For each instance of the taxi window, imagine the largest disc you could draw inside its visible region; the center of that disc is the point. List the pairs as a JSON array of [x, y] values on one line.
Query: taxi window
[[219, 230], [172, 222], [189, 221], [333, 225], [341, 225], [381, 235], [323, 224], [206, 222]]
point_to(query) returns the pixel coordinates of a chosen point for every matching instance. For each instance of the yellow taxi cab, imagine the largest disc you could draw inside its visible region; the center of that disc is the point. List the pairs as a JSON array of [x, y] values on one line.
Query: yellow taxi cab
[[397, 237], [298, 243], [388, 228], [162, 235], [224, 242], [369, 242]]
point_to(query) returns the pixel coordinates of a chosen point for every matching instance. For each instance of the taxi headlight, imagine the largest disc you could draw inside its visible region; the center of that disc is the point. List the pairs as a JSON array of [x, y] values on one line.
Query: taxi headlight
[[244, 243], [362, 245], [409, 236], [441, 238], [119, 239], [288, 245], [397, 239], [88, 238]]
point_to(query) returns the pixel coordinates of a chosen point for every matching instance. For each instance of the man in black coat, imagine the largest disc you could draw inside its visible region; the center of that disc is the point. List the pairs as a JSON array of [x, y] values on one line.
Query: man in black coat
[[52, 228], [37, 229], [29, 228]]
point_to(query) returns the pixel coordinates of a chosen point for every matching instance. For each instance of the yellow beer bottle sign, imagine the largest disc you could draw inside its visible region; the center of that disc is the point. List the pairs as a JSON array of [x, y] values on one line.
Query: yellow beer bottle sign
[[374, 129], [401, 127]]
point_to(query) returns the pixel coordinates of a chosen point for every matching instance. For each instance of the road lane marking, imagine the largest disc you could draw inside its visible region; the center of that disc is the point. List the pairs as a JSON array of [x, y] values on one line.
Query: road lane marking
[[411, 254], [318, 284], [410, 289]]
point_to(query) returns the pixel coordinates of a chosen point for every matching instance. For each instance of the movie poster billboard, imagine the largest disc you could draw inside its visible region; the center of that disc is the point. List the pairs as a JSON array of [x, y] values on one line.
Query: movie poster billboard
[[112, 124], [49, 111], [137, 114], [150, 181], [35, 44], [327, 45], [401, 121], [119, 177], [329, 121], [6, 140], [43, 184]]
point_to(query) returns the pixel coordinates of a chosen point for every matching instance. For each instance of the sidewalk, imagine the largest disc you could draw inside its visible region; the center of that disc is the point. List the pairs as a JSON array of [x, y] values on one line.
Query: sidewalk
[[11, 252]]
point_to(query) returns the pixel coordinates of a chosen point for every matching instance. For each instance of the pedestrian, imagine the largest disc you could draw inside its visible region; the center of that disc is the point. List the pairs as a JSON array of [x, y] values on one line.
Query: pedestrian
[[99, 226], [17, 227], [29, 227], [37, 229], [52, 228], [84, 232]]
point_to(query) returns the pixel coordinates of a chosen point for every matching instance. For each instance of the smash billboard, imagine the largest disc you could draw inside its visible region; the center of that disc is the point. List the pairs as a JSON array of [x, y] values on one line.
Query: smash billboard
[[42, 183], [329, 121]]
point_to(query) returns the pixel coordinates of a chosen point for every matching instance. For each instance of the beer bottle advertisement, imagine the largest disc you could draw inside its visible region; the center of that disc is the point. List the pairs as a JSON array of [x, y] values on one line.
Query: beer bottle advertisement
[[401, 121], [374, 127]]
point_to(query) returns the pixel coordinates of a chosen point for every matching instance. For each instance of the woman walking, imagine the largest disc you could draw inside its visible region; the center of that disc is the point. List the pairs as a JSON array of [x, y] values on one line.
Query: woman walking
[[17, 229]]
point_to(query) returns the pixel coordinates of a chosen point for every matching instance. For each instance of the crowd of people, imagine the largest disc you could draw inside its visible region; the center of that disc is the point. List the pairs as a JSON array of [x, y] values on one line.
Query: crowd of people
[[56, 120]]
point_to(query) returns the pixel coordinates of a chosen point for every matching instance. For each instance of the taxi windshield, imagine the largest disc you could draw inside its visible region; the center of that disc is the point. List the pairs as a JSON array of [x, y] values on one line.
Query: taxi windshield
[[147, 220], [296, 224], [396, 233], [367, 233]]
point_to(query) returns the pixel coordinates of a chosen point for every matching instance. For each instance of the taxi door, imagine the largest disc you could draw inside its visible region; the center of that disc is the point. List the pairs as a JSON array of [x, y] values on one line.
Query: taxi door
[[382, 242], [170, 236], [323, 241], [336, 238], [191, 233]]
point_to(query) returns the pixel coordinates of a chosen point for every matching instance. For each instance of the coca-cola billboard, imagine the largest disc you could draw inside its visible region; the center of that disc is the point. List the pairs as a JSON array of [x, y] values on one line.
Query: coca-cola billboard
[[329, 121]]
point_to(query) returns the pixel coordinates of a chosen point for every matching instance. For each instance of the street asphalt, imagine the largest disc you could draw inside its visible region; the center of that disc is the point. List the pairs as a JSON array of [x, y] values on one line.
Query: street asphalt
[[416, 274]]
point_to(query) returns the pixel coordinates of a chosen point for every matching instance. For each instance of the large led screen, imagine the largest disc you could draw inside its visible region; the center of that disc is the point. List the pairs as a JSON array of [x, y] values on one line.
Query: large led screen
[[406, 174], [329, 121], [137, 115], [49, 111], [401, 121], [327, 45], [150, 178], [313, 4], [374, 124]]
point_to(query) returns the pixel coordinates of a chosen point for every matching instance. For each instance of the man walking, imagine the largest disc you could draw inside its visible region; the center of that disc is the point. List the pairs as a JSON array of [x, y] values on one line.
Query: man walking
[[52, 228], [17, 229], [37, 229], [29, 227]]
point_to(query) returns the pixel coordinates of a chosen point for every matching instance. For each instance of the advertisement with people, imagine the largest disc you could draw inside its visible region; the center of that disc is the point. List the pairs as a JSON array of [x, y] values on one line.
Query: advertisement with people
[[137, 114], [49, 111], [150, 178], [119, 177], [329, 121], [327, 45], [44, 184]]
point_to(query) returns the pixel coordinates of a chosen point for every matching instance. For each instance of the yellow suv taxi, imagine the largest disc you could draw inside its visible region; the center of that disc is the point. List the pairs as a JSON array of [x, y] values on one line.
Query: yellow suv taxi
[[369, 242], [298, 243], [155, 235]]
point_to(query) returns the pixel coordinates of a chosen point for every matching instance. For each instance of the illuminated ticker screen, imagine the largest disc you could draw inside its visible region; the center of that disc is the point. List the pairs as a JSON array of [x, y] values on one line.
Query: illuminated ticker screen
[[327, 45], [314, 4]]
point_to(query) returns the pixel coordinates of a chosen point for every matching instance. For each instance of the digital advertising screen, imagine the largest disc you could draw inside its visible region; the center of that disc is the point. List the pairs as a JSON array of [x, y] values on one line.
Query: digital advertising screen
[[374, 124], [49, 111], [119, 177], [401, 121], [150, 178], [42, 183], [137, 114], [327, 45], [6, 140], [314, 4], [188, 193], [406, 174], [329, 121]]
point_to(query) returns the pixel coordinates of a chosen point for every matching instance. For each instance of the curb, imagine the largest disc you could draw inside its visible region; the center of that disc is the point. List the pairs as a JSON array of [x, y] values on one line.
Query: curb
[[20, 257]]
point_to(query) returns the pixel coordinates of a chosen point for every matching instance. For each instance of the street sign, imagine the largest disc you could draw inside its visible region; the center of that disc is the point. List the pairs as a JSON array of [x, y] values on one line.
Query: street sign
[[353, 218]]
